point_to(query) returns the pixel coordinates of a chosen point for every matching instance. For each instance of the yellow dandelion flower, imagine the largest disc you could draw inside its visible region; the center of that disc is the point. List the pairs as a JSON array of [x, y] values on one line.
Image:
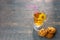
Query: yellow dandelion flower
[[39, 18], [39, 23], [42, 16]]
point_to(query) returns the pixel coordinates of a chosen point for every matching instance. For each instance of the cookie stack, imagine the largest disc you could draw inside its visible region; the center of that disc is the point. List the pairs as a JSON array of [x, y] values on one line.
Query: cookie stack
[[48, 32]]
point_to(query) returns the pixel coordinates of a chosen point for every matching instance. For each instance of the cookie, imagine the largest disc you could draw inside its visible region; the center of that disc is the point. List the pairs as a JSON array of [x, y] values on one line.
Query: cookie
[[42, 32], [49, 35], [51, 30]]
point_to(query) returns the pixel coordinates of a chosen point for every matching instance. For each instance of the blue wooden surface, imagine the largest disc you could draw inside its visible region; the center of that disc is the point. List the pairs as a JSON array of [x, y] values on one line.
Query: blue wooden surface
[[16, 19]]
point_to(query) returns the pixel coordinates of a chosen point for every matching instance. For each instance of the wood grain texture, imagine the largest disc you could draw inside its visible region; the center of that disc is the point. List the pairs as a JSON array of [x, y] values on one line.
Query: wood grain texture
[[16, 22]]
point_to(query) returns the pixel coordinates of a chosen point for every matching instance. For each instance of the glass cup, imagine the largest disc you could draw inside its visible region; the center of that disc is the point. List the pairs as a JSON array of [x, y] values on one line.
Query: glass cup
[[39, 19]]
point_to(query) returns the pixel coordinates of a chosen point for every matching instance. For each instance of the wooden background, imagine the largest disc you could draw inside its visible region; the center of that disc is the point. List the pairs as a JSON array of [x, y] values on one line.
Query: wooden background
[[16, 19]]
